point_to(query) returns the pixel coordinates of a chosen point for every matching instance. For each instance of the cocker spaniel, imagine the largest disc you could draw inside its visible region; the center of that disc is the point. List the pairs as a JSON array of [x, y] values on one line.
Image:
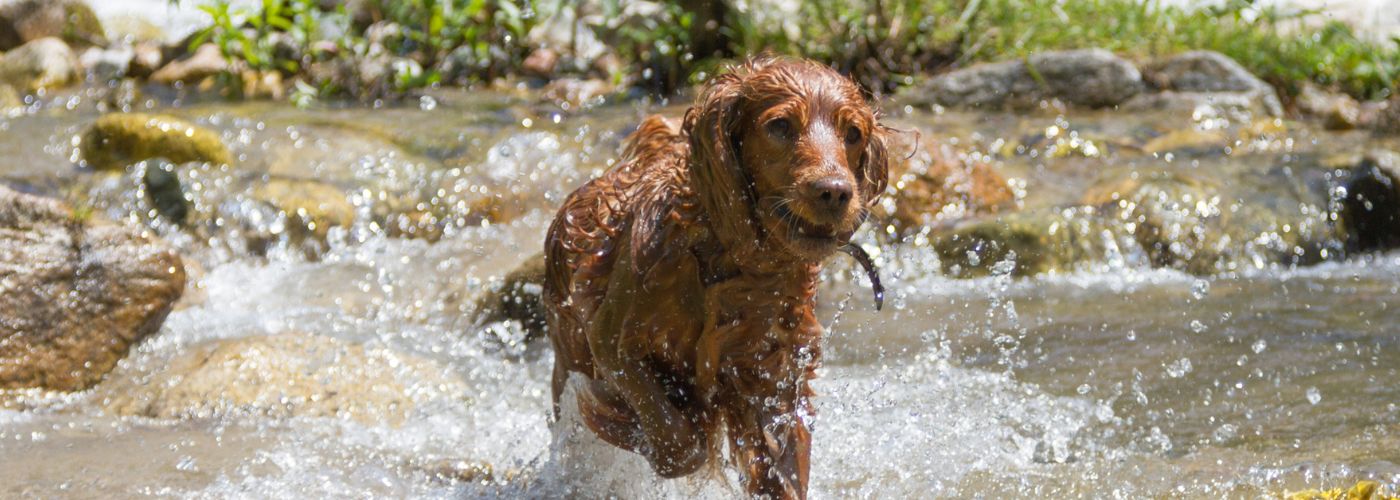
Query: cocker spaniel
[[682, 283]]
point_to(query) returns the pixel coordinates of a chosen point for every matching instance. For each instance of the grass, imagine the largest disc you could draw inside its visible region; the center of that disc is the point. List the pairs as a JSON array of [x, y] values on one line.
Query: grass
[[885, 44], [880, 41]]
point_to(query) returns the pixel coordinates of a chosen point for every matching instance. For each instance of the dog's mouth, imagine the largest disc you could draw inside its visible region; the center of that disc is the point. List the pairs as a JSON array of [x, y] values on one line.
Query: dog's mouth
[[806, 237]]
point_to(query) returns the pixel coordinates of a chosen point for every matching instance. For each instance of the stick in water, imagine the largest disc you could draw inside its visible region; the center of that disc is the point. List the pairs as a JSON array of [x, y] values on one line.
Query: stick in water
[[873, 272]]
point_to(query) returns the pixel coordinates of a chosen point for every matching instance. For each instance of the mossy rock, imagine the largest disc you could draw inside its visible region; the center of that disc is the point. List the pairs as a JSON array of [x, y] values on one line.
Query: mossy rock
[[1363, 490], [120, 139], [41, 64], [28, 20]]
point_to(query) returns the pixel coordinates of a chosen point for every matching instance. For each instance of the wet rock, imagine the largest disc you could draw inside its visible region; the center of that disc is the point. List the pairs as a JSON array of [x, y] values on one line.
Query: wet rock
[[1206, 77], [107, 64], [74, 294], [1371, 205], [1174, 218], [456, 470], [1021, 243], [287, 375], [1091, 77], [1190, 141], [517, 297], [206, 61], [42, 63], [163, 188], [937, 185], [1362, 490], [310, 208], [1336, 111], [24, 21], [120, 139]]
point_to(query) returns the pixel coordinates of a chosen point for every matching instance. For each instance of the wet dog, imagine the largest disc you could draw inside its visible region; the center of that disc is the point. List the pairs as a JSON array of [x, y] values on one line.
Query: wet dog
[[682, 283]]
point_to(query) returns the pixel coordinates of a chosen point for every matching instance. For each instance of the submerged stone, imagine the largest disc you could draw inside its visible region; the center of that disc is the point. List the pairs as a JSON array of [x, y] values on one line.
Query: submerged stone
[[1021, 243], [936, 184], [120, 139], [74, 294], [1371, 207], [310, 208], [287, 375]]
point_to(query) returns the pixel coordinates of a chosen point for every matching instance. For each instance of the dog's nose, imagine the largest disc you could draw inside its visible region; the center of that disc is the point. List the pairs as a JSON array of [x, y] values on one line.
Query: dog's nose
[[830, 194]]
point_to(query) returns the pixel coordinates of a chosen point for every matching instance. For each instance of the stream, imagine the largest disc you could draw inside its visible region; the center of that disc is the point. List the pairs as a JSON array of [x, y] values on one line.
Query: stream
[[1111, 378]]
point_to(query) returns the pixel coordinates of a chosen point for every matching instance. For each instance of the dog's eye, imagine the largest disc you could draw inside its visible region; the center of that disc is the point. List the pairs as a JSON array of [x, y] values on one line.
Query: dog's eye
[[780, 128], [853, 136]]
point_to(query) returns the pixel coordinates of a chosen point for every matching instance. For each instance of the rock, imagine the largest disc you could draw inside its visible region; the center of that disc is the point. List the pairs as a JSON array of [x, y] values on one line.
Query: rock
[[146, 58], [938, 185], [74, 294], [206, 61], [119, 139], [23, 21], [575, 93], [1212, 73], [287, 375], [263, 85], [311, 208], [42, 63], [1021, 243], [107, 64], [540, 63], [164, 190], [1362, 490], [1189, 141], [1091, 77], [518, 297], [9, 99], [1371, 206], [1336, 111]]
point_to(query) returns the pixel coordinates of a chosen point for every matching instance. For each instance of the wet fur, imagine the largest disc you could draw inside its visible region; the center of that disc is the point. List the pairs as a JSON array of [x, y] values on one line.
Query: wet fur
[[691, 319]]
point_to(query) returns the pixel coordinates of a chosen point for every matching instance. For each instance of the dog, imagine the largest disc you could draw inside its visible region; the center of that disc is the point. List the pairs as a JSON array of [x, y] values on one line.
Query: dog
[[682, 282]]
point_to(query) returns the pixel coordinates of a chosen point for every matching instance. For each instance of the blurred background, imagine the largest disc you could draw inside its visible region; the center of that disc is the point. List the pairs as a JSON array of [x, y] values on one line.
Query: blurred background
[[290, 248]]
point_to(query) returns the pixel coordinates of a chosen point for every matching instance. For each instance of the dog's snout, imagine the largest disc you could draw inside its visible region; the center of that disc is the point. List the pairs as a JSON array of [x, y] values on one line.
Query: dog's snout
[[831, 194]]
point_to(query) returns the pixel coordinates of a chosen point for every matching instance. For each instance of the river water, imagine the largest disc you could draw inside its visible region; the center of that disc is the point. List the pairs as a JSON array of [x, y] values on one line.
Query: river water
[[1112, 379]]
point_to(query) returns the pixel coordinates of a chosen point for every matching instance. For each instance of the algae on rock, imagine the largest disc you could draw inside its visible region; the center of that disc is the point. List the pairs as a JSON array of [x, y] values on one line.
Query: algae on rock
[[120, 139]]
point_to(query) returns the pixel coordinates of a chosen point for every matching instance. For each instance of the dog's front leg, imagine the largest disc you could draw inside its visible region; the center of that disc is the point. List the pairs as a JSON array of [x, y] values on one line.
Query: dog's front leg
[[670, 441]]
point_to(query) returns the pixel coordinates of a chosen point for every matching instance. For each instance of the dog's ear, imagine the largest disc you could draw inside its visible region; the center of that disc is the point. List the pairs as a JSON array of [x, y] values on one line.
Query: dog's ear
[[874, 166], [716, 174]]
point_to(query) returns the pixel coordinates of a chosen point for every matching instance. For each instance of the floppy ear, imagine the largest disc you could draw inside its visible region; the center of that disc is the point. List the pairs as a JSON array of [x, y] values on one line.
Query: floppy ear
[[874, 166], [716, 175]]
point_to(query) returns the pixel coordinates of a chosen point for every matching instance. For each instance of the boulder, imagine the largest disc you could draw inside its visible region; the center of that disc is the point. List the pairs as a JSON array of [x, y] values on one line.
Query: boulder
[[284, 376], [42, 63], [119, 139], [146, 58], [74, 294], [1208, 76], [540, 63], [1091, 77], [206, 61], [23, 21]]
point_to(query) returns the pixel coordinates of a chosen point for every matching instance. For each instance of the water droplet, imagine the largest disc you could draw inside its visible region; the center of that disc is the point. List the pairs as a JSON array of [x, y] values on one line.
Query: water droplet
[[1197, 326], [1200, 289], [1179, 368], [1258, 346], [1314, 395], [427, 103]]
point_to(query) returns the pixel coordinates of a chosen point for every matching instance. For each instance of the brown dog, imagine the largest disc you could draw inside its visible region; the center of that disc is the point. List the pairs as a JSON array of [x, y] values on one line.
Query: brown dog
[[682, 282]]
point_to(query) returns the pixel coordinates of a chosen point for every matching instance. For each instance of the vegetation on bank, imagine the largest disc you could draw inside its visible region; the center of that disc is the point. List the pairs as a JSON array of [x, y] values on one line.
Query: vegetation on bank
[[883, 43]]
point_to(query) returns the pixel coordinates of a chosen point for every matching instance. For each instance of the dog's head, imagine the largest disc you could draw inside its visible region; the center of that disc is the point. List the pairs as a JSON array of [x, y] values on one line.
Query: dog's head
[[788, 155]]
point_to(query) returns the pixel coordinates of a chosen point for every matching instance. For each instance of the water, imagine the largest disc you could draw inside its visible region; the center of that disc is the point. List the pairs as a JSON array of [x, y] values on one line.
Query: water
[[1112, 379]]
